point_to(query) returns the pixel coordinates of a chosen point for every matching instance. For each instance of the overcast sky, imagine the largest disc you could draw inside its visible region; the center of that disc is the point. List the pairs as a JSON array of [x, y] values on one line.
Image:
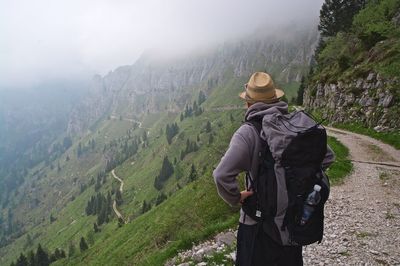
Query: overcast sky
[[41, 40]]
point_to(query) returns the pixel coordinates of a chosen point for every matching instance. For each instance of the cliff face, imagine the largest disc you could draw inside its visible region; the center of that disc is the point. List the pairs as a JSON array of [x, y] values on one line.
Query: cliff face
[[153, 84], [372, 101]]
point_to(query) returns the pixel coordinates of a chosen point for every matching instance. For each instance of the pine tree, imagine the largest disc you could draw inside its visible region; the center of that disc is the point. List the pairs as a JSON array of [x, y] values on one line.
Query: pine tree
[[22, 260], [166, 171], [193, 173], [300, 92], [83, 245], [41, 257], [208, 127], [337, 15], [145, 206]]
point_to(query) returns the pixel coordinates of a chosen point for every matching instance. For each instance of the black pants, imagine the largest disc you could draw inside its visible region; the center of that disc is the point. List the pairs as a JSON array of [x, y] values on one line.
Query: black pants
[[255, 248]]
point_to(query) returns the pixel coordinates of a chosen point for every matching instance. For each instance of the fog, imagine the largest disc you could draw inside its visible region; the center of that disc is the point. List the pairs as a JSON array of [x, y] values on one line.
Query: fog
[[72, 40]]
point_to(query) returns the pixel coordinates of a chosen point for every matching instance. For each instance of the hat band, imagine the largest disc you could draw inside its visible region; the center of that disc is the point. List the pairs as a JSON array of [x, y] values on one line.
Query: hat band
[[249, 98], [260, 90], [261, 93]]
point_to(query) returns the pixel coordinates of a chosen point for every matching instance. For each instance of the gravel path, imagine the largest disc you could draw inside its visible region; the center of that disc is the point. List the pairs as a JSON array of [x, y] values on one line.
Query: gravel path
[[362, 225], [362, 216]]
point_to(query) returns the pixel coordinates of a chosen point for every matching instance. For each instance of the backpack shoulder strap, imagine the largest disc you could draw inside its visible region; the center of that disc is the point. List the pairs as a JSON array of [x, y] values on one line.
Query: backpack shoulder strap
[[256, 123]]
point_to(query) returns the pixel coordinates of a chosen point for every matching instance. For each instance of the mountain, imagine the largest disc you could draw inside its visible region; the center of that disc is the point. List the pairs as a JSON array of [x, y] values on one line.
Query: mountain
[[30, 122], [159, 125], [154, 83], [356, 78]]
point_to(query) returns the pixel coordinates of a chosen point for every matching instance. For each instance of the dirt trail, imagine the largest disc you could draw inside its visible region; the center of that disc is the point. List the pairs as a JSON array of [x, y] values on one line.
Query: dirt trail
[[121, 187], [363, 214]]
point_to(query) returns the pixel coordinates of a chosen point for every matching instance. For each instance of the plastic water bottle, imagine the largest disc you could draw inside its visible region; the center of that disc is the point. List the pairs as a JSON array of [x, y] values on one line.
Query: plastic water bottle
[[309, 205]]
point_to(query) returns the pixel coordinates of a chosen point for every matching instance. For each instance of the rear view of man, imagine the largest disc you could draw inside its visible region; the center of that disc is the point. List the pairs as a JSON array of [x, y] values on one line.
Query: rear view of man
[[254, 246]]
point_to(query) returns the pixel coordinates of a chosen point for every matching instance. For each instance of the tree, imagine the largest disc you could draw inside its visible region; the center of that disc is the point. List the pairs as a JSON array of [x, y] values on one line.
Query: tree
[[41, 257], [166, 171], [337, 15], [52, 218], [145, 206], [193, 173], [22, 260], [300, 92], [208, 126], [83, 245]]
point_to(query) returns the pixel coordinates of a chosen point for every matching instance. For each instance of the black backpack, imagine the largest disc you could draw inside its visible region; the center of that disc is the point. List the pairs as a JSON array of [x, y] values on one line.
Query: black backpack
[[290, 165]]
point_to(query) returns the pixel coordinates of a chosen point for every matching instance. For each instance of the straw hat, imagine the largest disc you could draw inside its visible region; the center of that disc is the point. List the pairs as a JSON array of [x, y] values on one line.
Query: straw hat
[[261, 88]]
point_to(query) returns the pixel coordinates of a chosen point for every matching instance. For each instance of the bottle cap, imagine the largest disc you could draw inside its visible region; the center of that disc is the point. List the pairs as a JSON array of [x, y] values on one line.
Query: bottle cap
[[317, 188]]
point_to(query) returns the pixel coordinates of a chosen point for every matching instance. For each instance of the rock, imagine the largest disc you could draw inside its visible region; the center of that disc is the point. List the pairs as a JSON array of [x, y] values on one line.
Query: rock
[[227, 238], [373, 252], [371, 76], [387, 100], [201, 264], [342, 250], [233, 256]]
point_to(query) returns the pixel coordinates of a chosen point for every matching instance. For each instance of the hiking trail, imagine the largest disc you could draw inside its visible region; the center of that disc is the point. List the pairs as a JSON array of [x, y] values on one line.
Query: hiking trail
[[121, 187], [362, 215]]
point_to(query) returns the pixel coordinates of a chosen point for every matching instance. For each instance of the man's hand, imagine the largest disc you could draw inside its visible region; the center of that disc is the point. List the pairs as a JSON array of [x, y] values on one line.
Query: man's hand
[[244, 194]]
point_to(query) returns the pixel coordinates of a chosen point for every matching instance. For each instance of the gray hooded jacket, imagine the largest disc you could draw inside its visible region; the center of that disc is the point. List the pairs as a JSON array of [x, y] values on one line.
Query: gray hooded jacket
[[242, 156]]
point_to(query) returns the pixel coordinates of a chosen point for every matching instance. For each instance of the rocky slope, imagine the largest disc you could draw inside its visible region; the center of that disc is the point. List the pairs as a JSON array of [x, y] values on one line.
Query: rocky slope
[[155, 84], [371, 101]]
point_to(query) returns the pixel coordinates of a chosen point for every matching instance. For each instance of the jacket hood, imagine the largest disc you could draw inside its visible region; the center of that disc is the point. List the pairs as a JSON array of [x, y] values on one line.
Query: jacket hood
[[260, 109]]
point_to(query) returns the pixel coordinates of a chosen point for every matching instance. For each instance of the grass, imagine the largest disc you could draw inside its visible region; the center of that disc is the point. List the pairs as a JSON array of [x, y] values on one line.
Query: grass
[[342, 165], [190, 214], [391, 138]]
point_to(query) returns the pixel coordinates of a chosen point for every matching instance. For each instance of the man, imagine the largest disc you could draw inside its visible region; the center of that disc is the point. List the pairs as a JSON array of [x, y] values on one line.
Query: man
[[254, 247]]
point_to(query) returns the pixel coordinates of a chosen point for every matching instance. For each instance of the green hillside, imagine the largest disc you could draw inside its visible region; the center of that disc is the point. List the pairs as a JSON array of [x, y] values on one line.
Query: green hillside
[[191, 212], [163, 144]]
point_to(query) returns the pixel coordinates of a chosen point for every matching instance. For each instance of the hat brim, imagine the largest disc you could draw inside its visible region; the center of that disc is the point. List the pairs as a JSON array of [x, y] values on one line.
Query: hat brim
[[278, 94]]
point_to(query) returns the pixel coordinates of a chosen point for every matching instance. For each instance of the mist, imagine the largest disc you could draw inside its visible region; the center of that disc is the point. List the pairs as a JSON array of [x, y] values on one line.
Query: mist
[[48, 40]]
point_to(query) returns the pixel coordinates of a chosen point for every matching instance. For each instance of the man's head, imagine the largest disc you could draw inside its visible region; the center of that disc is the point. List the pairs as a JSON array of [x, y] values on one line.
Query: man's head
[[261, 88]]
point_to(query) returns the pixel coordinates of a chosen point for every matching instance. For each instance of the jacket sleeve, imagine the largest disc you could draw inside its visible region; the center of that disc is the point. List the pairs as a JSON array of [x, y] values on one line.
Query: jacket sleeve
[[329, 158], [236, 160]]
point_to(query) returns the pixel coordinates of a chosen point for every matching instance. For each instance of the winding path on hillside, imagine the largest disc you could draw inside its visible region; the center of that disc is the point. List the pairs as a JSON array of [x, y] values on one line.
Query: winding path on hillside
[[121, 187], [362, 215], [130, 120]]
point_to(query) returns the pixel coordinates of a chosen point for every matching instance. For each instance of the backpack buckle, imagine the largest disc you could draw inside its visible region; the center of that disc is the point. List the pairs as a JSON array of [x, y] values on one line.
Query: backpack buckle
[[258, 213]]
